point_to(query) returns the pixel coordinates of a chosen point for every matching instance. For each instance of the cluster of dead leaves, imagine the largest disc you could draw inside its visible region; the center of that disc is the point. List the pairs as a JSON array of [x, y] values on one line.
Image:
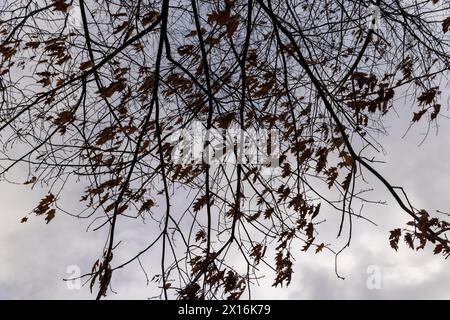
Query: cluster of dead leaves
[[45, 206], [421, 232], [224, 18]]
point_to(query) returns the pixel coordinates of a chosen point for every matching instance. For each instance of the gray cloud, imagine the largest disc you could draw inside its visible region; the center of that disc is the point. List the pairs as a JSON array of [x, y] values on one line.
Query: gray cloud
[[34, 257]]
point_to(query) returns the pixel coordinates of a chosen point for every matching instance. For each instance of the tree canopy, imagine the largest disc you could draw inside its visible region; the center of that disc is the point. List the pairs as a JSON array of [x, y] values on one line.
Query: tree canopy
[[97, 93]]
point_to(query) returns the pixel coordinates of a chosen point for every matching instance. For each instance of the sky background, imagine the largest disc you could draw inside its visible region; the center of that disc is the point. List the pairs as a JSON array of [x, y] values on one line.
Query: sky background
[[34, 257]]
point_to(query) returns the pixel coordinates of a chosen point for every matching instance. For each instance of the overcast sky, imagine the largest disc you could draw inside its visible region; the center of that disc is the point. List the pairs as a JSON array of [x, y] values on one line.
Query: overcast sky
[[34, 257]]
